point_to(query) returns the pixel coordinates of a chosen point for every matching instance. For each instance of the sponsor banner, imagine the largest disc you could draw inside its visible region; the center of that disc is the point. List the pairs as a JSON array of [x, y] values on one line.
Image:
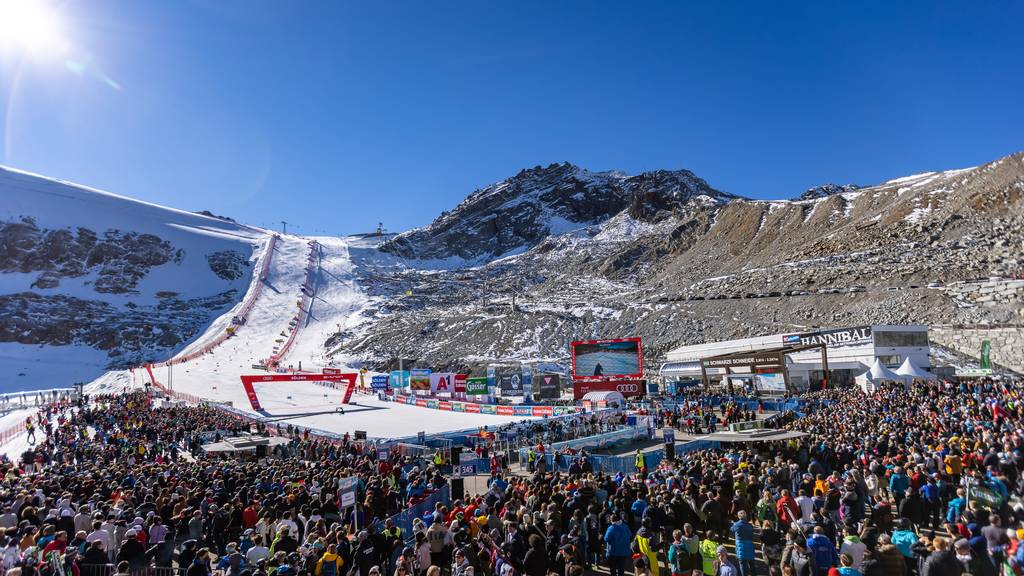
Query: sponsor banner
[[522, 410], [421, 402], [332, 370], [509, 380], [563, 410], [442, 383], [550, 386], [443, 405], [419, 379], [774, 382], [628, 388], [473, 409], [460, 383], [489, 409], [432, 404], [379, 382], [412, 400], [541, 411], [505, 410], [458, 407], [476, 386], [602, 359], [831, 338], [399, 378]]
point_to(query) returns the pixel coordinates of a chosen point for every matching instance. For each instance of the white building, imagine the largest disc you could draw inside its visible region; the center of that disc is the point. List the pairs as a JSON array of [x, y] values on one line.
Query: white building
[[850, 351]]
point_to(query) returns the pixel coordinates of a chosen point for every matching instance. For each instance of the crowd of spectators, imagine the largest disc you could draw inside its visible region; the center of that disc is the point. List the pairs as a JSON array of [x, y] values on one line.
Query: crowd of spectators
[[921, 481]]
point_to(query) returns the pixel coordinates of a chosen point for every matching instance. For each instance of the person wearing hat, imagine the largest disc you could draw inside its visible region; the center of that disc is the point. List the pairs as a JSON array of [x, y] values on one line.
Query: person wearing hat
[[723, 566]]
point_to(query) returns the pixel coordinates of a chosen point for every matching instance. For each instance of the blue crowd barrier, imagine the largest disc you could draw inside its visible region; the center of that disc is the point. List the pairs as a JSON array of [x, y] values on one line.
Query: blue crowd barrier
[[404, 519]]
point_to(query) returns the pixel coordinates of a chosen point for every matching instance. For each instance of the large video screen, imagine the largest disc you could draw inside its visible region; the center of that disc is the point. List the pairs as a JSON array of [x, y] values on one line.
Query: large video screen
[[601, 359]]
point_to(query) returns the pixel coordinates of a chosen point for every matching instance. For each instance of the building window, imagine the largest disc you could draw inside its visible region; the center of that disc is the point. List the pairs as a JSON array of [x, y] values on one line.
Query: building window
[[901, 339], [890, 360]]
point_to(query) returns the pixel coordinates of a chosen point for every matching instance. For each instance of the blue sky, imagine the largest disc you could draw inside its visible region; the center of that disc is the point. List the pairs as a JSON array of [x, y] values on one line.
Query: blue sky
[[334, 115]]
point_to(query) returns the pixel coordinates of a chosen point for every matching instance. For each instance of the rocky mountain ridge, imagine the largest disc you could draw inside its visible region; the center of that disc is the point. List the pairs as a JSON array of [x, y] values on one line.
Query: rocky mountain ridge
[[695, 266]]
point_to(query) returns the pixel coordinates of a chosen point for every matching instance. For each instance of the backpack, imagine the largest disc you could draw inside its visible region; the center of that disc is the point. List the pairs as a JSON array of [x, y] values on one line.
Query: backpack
[[329, 568], [680, 564]]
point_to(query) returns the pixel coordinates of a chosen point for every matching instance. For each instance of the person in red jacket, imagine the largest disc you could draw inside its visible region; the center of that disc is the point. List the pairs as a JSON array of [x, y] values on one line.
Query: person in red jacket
[[787, 509], [250, 516]]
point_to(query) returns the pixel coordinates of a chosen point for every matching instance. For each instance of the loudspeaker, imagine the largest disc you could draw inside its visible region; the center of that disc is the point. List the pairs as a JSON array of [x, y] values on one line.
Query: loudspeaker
[[454, 455], [670, 452], [458, 489], [261, 450]]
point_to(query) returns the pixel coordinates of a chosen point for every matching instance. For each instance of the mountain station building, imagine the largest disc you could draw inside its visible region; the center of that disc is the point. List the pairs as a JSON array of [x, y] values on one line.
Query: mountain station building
[[779, 364]]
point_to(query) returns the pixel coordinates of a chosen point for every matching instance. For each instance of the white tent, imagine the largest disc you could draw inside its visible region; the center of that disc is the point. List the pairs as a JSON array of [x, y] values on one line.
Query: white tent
[[913, 371], [610, 399], [877, 374]]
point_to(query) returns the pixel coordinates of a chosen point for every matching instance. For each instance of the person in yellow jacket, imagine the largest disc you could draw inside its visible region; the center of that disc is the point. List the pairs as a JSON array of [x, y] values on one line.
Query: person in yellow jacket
[[641, 462], [330, 563], [643, 544], [709, 552]]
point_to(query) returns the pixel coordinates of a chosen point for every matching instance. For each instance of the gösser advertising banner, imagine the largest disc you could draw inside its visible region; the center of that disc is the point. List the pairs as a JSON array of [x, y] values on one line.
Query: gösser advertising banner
[[442, 382], [550, 386], [600, 359], [419, 379], [830, 338], [476, 386]]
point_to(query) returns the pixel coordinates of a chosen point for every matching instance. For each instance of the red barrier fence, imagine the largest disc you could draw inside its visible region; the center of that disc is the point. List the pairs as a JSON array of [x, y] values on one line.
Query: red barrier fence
[[12, 432], [243, 312], [304, 305]]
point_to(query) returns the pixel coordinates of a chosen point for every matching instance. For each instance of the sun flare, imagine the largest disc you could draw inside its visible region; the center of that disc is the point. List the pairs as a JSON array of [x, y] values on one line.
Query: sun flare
[[32, 27]]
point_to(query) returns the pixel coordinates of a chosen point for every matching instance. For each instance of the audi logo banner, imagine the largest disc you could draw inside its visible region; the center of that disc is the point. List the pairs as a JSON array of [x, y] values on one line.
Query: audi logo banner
[[628, 388]]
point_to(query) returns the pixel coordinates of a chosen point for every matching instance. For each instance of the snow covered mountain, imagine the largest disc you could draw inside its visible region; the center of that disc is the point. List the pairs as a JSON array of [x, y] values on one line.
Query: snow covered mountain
[[91, 280], [522, 211]]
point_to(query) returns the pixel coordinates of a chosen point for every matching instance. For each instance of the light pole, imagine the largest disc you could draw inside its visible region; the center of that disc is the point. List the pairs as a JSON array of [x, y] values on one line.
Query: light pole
[[284, 227]]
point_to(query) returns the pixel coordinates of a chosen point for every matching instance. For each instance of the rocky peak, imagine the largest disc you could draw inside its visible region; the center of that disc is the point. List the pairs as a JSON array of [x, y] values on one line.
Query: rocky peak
[[826, 190], [523, 210]]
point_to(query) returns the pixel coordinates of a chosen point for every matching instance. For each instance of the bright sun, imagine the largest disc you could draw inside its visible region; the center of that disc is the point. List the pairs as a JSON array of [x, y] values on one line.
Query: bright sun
[[32, 27]]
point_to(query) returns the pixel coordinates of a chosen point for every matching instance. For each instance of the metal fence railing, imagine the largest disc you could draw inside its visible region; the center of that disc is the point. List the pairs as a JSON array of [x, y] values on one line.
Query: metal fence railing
[[110, 570]]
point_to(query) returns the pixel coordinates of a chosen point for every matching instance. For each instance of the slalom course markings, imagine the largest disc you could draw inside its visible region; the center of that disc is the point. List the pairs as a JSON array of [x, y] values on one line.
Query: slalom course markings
[[304, 306], [243, 312]]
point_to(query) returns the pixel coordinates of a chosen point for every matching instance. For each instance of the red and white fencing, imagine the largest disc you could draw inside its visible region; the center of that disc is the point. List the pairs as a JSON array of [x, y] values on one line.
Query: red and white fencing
[[12, 432], [303, 304], [243, 312]]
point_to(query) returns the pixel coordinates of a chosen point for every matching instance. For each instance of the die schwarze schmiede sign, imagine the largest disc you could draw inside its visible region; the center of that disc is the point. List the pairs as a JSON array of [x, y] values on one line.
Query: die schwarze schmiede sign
[[832, 338]]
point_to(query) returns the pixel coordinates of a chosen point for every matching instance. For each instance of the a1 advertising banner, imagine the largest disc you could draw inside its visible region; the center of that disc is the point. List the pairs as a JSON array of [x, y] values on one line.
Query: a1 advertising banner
[[628, 388], [550, 386], [522, 410], [379, 382], [491, 409], [472, 408], [476, 386], [509, 380], [399, 378], [419, 379], [505, 411], [460, 383], [442, 383], [541, 411]]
